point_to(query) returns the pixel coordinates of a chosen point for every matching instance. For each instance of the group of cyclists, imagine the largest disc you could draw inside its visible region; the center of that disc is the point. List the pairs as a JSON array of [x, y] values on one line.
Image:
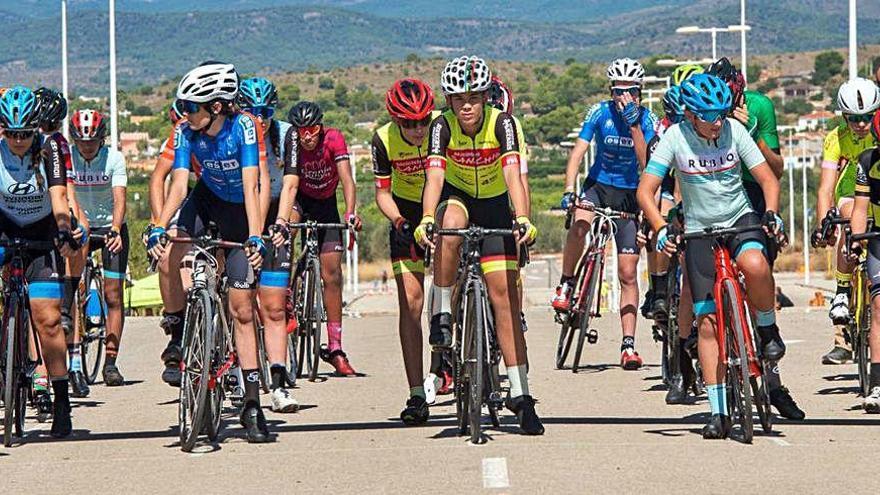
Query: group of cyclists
[[440, 163]]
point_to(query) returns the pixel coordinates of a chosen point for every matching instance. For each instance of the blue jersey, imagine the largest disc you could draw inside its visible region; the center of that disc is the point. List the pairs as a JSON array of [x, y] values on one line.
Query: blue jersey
[[616, 164], [222, 157]]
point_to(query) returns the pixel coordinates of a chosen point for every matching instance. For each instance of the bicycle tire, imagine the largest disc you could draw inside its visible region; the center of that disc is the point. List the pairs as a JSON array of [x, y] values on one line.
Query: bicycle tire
[[584, 321], [197, 334], [300, 335], [738, 373], [567, 330], [460, 384], [315, 302], [216, 394], [10, 373], [474, 364], [292, 361], [860, 344], [671, 347], [92, 340], [262, 357]]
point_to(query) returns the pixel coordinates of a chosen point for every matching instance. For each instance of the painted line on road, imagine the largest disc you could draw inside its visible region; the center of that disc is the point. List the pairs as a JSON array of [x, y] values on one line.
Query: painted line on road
[[495, 472], [794, 341], [780, 442]]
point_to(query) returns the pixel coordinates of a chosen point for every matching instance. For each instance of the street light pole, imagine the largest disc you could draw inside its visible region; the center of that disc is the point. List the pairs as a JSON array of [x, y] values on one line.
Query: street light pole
[[742, 40], [114, 115], [64, 57], [806, 221], [791, 186], [714, 32], [853, 37]]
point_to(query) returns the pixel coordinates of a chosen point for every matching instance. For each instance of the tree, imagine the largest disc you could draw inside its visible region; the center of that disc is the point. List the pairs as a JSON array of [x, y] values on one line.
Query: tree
[[340, 95], [797, 107], [827, 65], [325, 82]]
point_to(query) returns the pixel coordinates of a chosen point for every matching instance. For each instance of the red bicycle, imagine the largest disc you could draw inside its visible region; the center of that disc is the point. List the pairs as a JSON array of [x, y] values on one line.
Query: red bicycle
[[736, 333]]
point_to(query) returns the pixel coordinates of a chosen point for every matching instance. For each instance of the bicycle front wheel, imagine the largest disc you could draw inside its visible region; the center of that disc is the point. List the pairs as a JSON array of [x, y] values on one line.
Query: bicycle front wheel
[[92, 336], [221, 349], [860, 343], [197, 341], [11, 374], [315, 305], [262, 357], [474, 363], [585, 302], [739, 391]]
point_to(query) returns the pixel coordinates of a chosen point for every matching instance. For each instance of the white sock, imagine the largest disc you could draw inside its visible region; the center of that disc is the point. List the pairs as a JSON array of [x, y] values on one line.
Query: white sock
[[519, 381], [441, 299]]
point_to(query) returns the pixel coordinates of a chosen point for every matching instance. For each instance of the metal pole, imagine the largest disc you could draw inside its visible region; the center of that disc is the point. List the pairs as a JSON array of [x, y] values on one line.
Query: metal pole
[[64, 57], [714, 43], [742, 40], [806, 221], [853, 54], [354, 261], [114, 116], [791, 225]]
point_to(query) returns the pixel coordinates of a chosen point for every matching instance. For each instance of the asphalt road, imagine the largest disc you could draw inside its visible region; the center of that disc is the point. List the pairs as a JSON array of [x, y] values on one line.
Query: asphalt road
[[607, 430]]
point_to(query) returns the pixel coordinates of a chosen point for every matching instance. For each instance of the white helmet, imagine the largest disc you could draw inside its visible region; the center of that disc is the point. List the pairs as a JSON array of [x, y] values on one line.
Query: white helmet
[[858, 96], [208, 82], [627, 70], [465, 74]]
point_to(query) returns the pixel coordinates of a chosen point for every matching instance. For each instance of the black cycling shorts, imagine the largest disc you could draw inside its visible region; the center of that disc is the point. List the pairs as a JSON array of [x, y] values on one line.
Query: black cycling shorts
[[321, 211], [43, 269], [115, 265], [606, 196], [275, 272], [406, 255]]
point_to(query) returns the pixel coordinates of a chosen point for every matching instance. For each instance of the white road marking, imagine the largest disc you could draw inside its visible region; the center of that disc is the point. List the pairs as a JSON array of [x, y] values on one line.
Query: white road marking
[[795, 341], [495, 472], [780, 442]]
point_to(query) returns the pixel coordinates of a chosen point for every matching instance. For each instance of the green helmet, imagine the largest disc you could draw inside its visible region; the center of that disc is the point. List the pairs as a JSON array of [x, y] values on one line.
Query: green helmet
[[683, 72]]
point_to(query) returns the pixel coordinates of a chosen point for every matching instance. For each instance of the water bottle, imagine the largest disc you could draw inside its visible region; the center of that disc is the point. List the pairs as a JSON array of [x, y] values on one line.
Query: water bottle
[[94, 312]]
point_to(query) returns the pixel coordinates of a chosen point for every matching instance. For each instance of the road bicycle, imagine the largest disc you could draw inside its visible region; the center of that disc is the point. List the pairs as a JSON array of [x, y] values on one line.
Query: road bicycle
[[92, 318], [858, 328]]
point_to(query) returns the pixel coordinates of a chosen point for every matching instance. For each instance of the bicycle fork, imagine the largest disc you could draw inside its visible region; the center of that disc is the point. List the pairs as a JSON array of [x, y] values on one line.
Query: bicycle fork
[[724, 271]]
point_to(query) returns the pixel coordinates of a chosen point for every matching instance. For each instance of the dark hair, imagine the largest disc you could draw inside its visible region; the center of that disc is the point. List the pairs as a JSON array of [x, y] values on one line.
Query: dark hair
[[275, 138]]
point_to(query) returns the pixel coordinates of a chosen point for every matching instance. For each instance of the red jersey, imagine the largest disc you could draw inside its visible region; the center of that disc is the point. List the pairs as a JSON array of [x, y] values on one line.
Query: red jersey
[[317, 169]]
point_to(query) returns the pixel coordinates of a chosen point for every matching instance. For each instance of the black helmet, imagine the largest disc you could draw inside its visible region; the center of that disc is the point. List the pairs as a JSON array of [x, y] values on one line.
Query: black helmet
[[52, 107], [305, 114], [723, 69]]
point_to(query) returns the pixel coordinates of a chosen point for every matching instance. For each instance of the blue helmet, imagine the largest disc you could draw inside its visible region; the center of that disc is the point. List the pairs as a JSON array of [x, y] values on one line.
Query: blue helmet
[[672, 103], [703, 93], [19, 109], [257, 92]]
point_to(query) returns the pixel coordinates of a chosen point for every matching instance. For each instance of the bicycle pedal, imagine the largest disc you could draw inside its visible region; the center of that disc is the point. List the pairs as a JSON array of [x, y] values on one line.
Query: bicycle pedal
[[560, 318], [592, 336]]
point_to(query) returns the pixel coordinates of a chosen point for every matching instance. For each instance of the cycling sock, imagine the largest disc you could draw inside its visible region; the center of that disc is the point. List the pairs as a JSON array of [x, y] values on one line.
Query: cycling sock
[[844, 282], [875, 375], [566, 279], [417, 392], [628, 342], [436, 362], [109, 360], [519, 381], [773, 379], [70, 284], [175, 324], [277, 372], [766, 318], [441, 300], [717, 394], [75, 354], [251, 387], [60, 388], [658, 283], [41, 382], [334, 336]]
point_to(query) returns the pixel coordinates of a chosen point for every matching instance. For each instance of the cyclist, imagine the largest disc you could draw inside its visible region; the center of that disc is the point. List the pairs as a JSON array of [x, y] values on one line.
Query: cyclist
[[33, 206], [399, 150], [473, 171], [857, 99], [53, 108], [316, 160], [622, 129], [756, 112], [225, 141], [100, 182], [258, 97], [706, 150], [867, 205]]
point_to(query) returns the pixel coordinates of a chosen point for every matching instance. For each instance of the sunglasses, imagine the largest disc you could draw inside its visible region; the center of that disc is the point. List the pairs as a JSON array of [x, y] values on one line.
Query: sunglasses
[[20, 135], [262, 112], [859, 119], [412, 124], [621, 91], [190, 106], [308, 131], [712, 116], [674, 118]]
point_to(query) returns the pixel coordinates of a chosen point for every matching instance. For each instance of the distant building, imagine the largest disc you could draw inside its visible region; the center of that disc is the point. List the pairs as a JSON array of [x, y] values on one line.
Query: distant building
[[131, 143], [804, 148], [814, 121]]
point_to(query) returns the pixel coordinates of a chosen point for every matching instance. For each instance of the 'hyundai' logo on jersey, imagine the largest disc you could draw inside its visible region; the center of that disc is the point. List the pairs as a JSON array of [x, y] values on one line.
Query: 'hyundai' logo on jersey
[[21, 189]]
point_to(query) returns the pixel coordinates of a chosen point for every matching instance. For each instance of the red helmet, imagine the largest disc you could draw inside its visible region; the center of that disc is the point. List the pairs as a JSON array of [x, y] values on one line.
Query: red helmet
[[88, 125], [500, 96], [409, 99], [875, 125]]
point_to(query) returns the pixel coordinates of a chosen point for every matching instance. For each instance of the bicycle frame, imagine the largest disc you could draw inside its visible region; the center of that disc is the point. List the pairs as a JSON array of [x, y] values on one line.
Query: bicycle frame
[[602, 228]]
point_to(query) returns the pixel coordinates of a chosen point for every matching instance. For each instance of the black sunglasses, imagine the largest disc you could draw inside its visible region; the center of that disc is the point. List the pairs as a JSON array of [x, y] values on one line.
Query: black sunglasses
[[412, 124], [21, 135]]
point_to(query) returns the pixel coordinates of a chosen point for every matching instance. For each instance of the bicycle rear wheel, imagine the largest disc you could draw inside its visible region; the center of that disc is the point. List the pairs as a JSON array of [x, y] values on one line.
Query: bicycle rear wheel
[[474, 362], [292, 359], [860, 343], [11, 374], [220, 350], [197, 340], [262, 357], [92, 337], [592, 275], [569, 325], [671, 347], [738, 374], [315, 303]]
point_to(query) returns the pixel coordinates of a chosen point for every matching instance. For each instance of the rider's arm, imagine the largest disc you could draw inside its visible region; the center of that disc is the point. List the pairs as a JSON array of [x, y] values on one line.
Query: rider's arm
[[765, 177], [524, 165], [119, 183], [581, 146], [179, 178], [251, 165], [505, 133], [56, 170], [435, 168], [642, 133], [662, 157], [250, 179], [859, 219], [768, 135], [382, 173], [828, 177], [773, 158], [265, 178], [290, 182]]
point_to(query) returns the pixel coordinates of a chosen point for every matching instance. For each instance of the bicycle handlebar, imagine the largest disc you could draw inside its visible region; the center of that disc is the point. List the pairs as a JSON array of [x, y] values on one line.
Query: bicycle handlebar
[[715, 232], [309, 224], [27, 245], [604, 211]]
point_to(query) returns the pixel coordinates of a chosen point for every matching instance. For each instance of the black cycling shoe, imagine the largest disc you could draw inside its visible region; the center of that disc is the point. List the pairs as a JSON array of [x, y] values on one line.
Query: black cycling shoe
[[678, 391], [524, 408], [254, 423], [79, 387], [61, 423], [112, 376], [647, 308], [43, 404], [717, 428], [171, 356], [781, 399], [441, 331], [416, 412], [659, 311], [773, 348]]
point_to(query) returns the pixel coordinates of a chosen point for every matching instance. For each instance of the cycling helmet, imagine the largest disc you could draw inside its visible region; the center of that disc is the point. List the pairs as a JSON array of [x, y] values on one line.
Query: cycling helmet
[[500, 96], [465, 74], [722, 68], [858, 96], [683, 72], [175, 112], [875, 126], [53, 107], [409, 99], [208, 82], [19, 109], [305, 114], [88, 125], [626, 70], [257, 92], [704, 93], [672, 104]]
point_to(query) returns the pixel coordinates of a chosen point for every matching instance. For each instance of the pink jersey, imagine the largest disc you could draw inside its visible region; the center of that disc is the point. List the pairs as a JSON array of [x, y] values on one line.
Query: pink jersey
[[317, 169]]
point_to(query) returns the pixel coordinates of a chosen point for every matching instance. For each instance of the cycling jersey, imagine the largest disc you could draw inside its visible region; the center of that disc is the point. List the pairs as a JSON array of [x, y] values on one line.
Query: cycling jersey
[[523, 147], [223, 157], [275, 161], [397, 164], [868, 182], [761, 124], [94, 180], [168, 153], [318, 169], [616, 163], [474, 165], [58, 152], [841, 150], [709, 172], [24, 188]]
